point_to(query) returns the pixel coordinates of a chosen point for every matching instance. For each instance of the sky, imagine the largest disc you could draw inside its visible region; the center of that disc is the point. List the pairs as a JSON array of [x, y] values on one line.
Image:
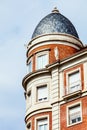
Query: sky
[[18, 19]]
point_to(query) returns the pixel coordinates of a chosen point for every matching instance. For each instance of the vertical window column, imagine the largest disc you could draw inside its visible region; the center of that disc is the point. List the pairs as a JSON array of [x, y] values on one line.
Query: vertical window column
[[42, 124], [42, 93], [42, 60], [74, 114], [74, 82]]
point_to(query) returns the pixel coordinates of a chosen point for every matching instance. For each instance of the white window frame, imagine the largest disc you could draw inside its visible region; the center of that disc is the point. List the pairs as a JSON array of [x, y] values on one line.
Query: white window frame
[[41, 118], [43, 100], [42, 122], [41, 82], [30, 61], [68, 116], [67, 80], [41, 54]]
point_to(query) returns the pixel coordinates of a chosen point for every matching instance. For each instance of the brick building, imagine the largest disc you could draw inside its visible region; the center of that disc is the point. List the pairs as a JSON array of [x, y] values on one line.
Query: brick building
[[56, 82]]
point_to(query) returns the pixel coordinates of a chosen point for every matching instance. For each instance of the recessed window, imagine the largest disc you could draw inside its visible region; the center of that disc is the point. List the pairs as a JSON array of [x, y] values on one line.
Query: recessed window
[[42, 93], [42, 61], [29, 98], [74, 82], [29, 126], [42, 124], [74, 114], [30, 66]]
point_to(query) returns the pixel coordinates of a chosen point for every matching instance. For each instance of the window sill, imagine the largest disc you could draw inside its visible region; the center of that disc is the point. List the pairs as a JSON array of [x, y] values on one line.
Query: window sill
[[43, 101], [71, 95], [74, 124]]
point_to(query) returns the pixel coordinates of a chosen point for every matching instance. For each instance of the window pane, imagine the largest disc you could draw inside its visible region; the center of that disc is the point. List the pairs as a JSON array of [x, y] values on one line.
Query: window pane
[[74, 77], [74, 114], [41, 127], [39, 62], [74, 109], [45, 127], [73, 120], [79, 119], [30, 66], [74, 82], [42, 124], [42, 61], [42, 93]]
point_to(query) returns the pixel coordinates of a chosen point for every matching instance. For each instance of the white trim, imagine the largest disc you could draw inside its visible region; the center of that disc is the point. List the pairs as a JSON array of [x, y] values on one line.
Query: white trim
[[45, 109], [39, 85], [30, 60], [85, 75], [54, 43], [71, 72], [41, 54], [78, 55], [42, 93], [42, 40], [70, 106], [40, 118], [70, 64]]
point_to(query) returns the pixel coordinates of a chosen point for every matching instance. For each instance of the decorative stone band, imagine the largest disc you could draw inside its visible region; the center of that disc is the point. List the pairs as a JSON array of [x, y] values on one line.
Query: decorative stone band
[[37, 112], [59, 38], [31, 75]]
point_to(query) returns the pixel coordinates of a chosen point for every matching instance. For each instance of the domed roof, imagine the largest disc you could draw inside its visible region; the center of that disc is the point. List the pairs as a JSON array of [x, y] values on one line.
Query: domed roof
[[54, 23]]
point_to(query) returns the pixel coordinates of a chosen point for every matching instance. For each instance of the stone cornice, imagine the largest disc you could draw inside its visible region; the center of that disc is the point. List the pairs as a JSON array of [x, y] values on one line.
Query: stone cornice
[[56, 37], [31, 75], [83, 52]]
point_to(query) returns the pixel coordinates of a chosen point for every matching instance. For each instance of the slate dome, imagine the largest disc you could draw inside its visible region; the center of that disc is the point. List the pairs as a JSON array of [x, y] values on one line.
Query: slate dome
[[55, 23]]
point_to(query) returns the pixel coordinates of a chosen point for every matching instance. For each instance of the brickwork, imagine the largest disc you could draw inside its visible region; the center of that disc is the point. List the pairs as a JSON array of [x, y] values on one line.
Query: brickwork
[[36, 116], [80, 66], [63, 52], [63, 115]]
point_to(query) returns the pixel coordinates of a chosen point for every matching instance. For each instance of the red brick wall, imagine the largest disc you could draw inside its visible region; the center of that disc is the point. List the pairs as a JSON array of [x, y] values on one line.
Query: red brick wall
[[72, 69], [63, 115], [32, 119], [64, 51]]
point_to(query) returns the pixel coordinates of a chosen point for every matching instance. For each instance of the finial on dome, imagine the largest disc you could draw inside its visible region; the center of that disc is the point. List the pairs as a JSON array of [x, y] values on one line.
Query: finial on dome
[[55, 10]]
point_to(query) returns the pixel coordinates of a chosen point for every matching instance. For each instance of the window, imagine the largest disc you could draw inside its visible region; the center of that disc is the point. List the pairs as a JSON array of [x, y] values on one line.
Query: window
[[74, 114], [30, 66], [29, 98], [42, 93], [74, 82], [42, 124], [29, 126], [42, 61]]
